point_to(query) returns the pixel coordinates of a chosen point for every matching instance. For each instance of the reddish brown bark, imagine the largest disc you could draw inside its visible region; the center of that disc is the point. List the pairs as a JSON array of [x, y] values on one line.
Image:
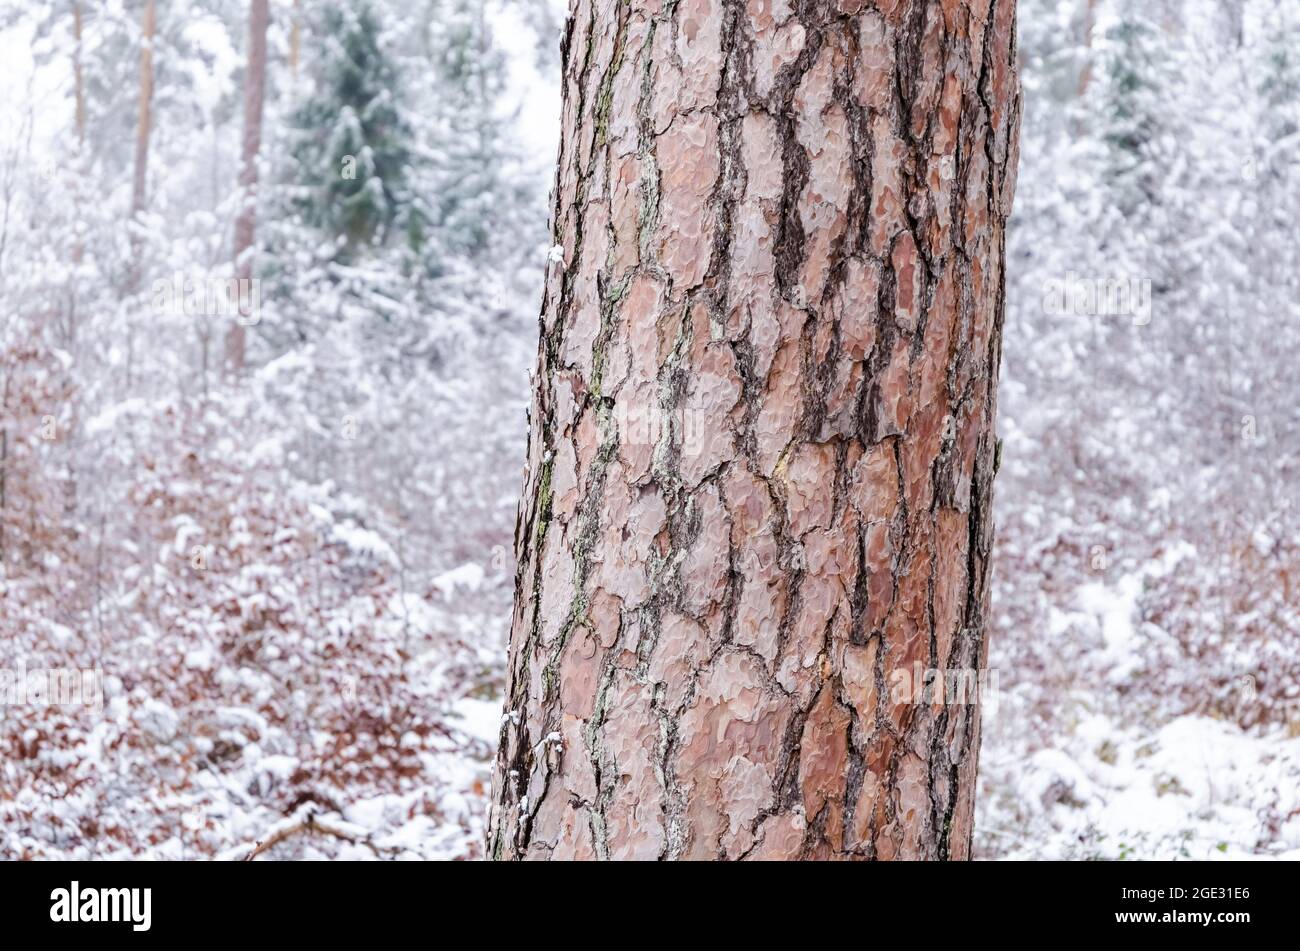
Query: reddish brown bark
[[759, 475], [259, 19]]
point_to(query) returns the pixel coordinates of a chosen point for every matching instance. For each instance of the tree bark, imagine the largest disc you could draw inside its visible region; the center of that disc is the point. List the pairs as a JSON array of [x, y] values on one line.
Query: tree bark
[[246, 222], [143, 129], [144, 124], [1089, 25], [758, 489], [295, 40], [79, 88]]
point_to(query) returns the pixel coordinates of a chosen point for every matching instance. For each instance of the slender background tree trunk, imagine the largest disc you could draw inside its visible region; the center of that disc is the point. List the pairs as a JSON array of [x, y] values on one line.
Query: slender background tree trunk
[[758, 487], [246, 223], [79, 97], [78, 86], [295, 40], [144, 124], [1089, 25], [143, 129]]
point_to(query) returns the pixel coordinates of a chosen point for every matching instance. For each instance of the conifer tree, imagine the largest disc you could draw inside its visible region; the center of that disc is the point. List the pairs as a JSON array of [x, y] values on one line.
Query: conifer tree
[[1136, 65], [473, 205], [350, 139]]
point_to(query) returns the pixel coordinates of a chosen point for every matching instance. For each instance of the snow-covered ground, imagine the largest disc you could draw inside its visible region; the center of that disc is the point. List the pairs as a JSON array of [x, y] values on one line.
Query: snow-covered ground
[[1084, 760], [1192, 788]]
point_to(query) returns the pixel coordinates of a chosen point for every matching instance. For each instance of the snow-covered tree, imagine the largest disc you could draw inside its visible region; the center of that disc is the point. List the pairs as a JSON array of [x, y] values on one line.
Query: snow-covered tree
[[351, 139]]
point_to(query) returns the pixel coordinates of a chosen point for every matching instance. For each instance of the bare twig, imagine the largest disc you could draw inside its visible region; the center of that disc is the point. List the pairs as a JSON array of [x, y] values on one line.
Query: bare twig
[[306, 820]]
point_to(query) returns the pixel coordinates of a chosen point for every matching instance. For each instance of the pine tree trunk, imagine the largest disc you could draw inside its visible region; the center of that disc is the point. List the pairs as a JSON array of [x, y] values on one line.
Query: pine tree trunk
[[758, 488], [246, 222]]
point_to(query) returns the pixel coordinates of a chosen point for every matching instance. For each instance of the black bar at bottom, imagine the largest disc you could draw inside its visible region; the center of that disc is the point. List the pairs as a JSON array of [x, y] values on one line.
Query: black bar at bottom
[[333, 901]]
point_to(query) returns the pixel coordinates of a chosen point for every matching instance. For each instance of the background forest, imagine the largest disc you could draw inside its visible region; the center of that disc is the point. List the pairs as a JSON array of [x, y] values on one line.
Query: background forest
[[296, 580]]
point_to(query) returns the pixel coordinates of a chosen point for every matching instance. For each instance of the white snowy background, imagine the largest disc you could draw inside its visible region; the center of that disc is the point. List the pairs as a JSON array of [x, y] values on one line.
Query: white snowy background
[[298, 586]]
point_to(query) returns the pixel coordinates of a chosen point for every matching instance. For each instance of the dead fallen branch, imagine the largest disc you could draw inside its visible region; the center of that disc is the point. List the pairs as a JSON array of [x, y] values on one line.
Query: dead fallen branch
[[306, 820]]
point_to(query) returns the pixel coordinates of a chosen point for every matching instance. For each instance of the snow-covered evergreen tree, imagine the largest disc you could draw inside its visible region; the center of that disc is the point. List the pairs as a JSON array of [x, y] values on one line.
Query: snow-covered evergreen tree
[[474, 193], [350, 137], [1133, 94]]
